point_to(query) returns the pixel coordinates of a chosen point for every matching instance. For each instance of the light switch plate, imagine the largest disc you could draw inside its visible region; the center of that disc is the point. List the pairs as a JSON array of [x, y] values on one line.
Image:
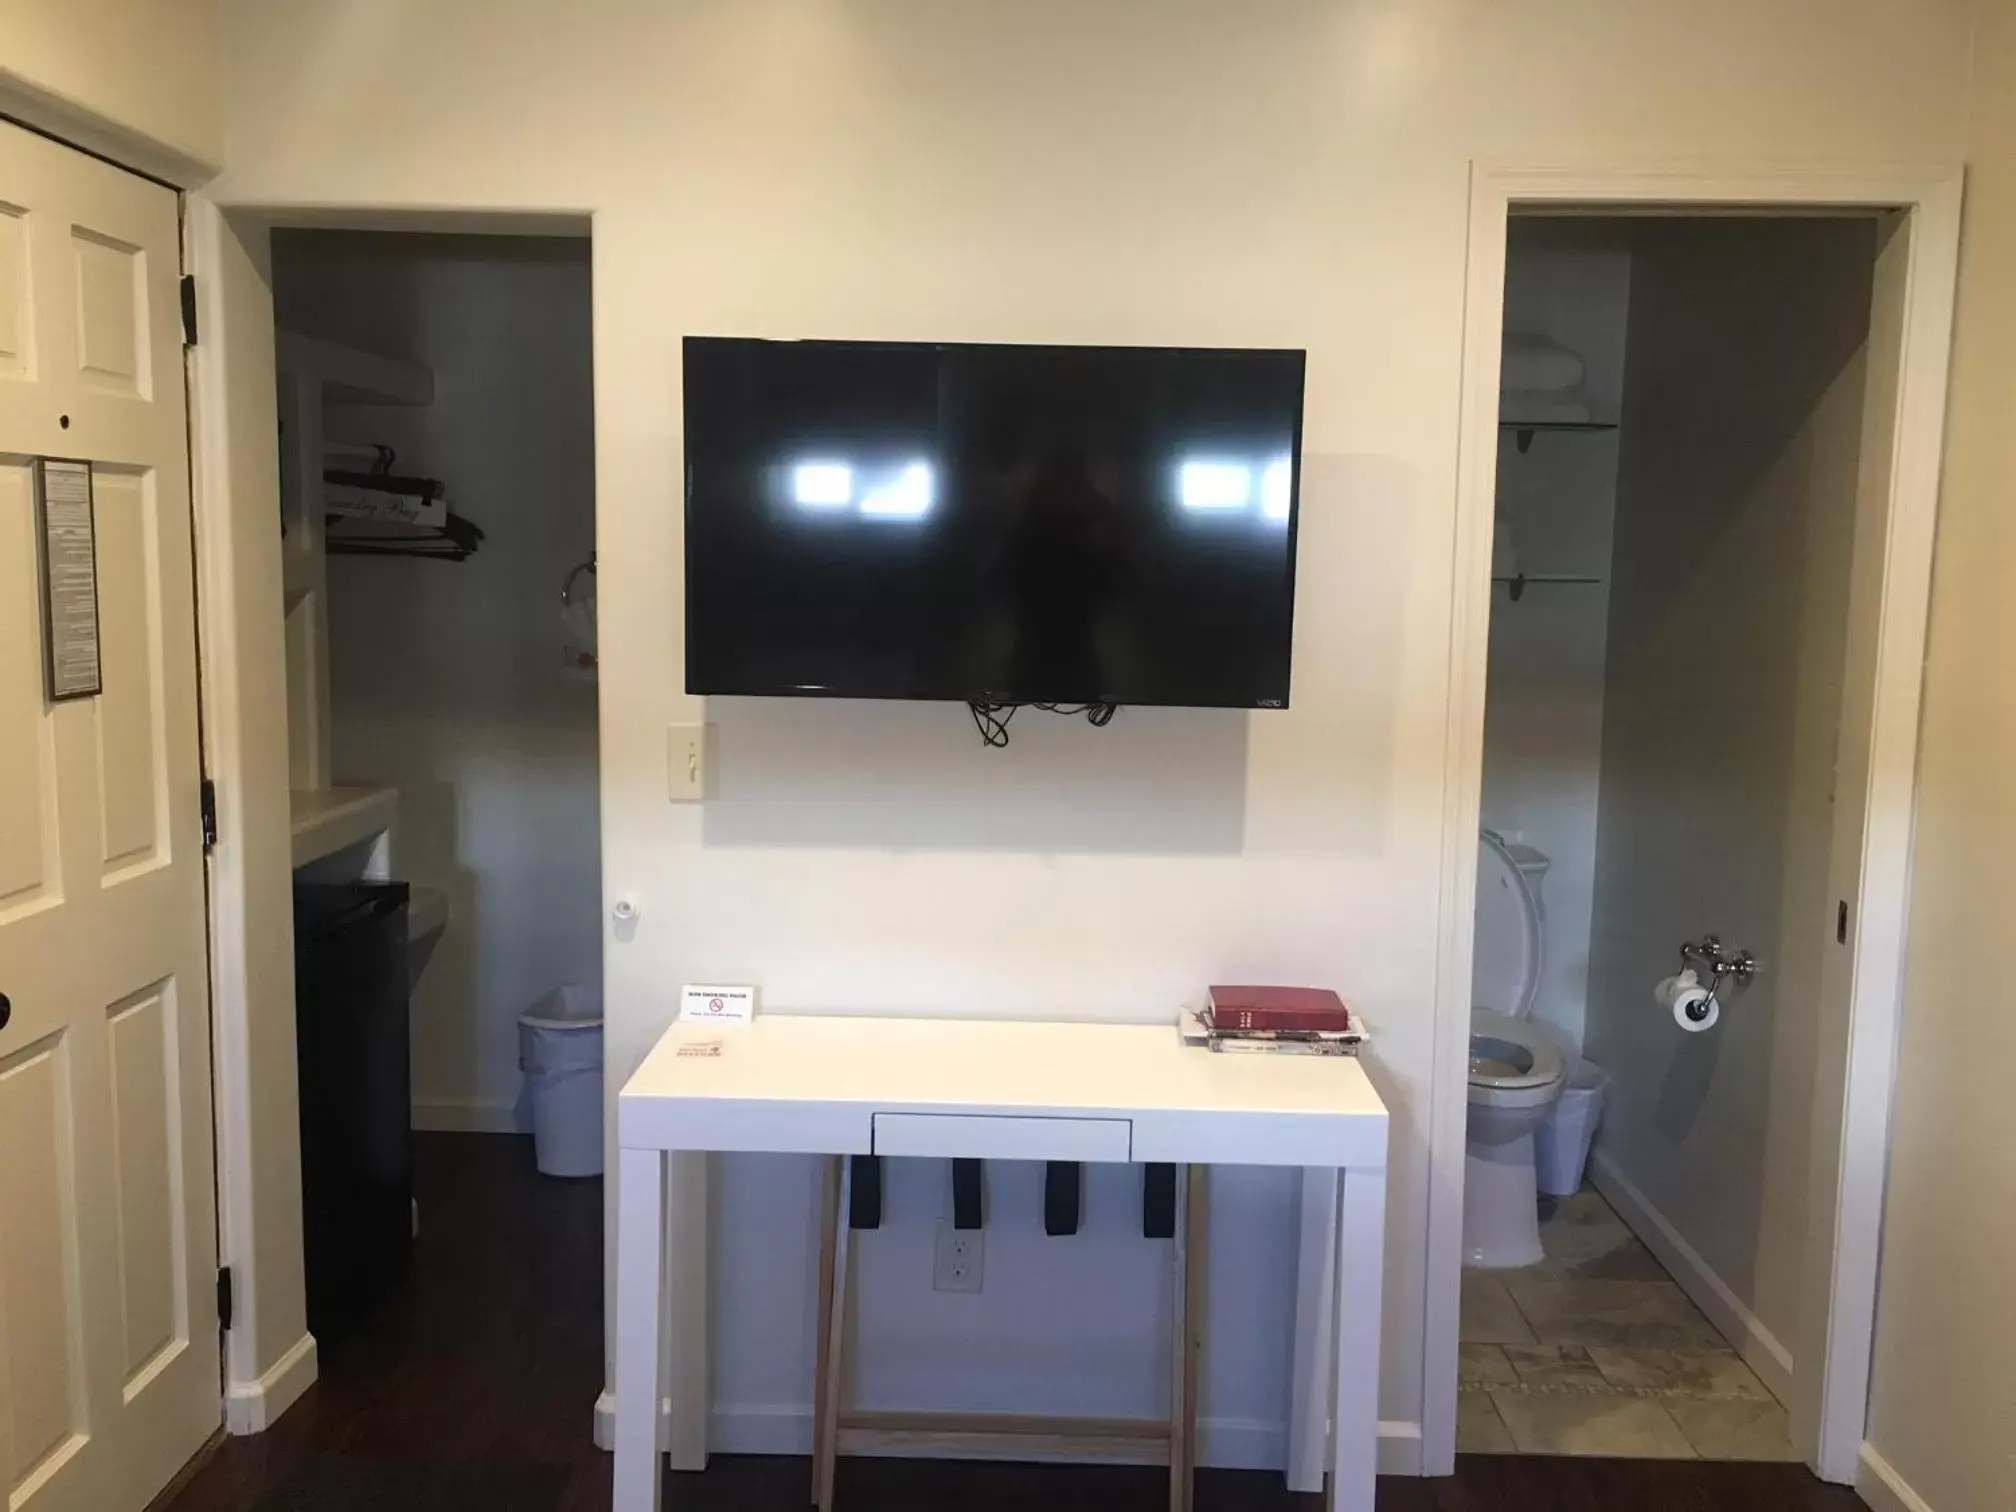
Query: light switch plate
[[686, 762]]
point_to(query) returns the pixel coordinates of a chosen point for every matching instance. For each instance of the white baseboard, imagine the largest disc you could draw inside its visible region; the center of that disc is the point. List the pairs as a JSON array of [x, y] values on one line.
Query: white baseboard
[[254, 1406], [1879, 1484], [466, 1115], [1222, 1443], [1760, 1348]]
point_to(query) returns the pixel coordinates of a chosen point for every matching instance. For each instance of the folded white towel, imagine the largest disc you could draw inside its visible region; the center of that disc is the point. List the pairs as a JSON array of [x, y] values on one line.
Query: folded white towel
[[1529, 408], [1538, 363]]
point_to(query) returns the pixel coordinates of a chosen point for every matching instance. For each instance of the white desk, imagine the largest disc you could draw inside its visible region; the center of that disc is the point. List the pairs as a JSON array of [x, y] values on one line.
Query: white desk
[[1013, 1091]]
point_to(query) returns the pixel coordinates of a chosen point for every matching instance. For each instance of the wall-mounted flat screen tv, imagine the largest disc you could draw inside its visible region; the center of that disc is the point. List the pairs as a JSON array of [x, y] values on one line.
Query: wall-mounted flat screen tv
[[991, 524]]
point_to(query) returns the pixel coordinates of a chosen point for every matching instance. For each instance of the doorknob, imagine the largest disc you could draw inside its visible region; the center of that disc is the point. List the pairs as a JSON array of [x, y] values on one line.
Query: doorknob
[[6, 1010]]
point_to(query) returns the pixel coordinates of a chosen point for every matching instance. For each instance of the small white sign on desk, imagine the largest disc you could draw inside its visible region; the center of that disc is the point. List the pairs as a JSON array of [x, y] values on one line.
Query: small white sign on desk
[[716, 1005]]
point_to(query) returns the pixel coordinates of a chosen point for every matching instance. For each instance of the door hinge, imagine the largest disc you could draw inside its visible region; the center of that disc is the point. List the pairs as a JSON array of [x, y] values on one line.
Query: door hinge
[[209, 816], [224, 1296], [1841, 922], [188, 309]]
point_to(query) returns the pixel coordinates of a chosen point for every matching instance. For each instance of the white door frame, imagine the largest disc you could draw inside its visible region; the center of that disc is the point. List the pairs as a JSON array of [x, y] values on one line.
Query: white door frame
[[270, 1357], [1830, 1405]]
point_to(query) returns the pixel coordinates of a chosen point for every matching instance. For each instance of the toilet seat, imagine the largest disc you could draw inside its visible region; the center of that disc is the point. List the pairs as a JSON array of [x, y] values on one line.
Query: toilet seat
[[1510, 945], [1512, 1064], [1517, 1069]]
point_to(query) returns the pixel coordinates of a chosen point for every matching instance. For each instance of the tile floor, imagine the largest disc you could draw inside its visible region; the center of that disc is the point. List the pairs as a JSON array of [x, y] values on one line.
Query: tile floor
[[1596, 1351]]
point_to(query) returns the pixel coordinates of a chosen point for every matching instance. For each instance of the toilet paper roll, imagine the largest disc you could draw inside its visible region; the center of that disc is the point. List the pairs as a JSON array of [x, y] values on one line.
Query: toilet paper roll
[[1669, 990], [1695, 1009]]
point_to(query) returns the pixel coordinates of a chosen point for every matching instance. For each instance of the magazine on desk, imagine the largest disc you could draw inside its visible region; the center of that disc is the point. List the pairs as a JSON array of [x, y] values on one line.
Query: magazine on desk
[[1197, 1027]]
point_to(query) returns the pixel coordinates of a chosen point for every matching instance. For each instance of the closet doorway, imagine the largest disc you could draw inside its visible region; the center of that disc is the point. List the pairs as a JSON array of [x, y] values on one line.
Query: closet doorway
[[1698, 470], [436, 421]]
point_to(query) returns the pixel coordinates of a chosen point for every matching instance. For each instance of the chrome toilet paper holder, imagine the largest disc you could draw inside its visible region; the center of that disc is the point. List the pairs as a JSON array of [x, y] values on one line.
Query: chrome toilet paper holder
[[1707, 956]]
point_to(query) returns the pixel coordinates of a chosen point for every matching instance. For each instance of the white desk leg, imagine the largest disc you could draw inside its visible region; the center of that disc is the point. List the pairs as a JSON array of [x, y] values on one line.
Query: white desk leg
[[640, 1317], [1361, 1258], [687, 1174], [1315, 1284]]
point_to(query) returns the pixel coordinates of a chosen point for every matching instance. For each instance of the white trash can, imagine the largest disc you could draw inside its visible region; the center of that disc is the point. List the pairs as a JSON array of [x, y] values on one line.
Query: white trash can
[[1561, 1144], [560, 1052]]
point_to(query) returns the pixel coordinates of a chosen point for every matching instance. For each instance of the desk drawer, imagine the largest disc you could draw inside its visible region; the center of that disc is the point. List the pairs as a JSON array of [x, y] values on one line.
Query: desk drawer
[[982, 1136]]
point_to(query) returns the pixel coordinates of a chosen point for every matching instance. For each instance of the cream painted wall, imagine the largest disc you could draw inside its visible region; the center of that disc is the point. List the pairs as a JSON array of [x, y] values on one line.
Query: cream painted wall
[[1736, 498], [1942, 1402], [1543, 716], [136, 79], [1071, 171]]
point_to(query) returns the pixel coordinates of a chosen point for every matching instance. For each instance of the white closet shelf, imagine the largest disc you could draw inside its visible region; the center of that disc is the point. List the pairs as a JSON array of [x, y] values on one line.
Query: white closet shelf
[[350, 376], [337, 818]]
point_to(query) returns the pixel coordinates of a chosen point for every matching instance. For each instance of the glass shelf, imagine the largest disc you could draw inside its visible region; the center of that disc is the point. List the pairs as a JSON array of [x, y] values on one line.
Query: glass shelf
[[1523, 430], [1518, 582]]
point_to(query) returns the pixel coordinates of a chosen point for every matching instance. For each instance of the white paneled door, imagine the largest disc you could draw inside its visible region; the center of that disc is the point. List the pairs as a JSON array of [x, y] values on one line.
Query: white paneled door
[[109, 1373]]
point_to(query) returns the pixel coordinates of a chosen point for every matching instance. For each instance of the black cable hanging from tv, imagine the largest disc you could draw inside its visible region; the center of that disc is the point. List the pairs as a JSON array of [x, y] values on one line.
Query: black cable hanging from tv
[[992, 719]]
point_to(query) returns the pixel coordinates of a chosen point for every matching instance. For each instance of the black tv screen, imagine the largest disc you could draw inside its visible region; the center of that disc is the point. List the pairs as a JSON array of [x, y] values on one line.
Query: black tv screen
[[991, 524]]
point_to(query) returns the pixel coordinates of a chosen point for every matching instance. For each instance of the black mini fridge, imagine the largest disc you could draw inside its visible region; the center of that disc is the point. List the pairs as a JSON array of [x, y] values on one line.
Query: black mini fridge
[[350, 1014]]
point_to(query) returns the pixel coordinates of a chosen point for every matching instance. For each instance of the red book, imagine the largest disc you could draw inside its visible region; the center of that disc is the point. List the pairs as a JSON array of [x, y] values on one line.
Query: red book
[[1236, 1008]]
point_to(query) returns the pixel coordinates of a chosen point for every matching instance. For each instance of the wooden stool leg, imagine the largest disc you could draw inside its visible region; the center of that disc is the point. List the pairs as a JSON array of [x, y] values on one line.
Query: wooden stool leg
[[1187, 1268], [836, 1249], [830, 1219], [1196, 1224]]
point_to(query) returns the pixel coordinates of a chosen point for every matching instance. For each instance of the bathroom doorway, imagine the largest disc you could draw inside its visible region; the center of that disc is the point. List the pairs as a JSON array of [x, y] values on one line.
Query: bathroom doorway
[[1699, 471]]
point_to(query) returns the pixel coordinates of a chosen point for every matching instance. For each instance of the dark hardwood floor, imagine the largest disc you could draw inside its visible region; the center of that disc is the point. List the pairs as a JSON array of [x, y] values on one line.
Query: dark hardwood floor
[[492, 1353]]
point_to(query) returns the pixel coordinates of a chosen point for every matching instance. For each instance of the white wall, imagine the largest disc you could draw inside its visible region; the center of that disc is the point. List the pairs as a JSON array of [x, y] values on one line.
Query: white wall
[[445, 678], [1943, 1400], [1543, 718], [135, 79], [1736, 499], [1065, 170]]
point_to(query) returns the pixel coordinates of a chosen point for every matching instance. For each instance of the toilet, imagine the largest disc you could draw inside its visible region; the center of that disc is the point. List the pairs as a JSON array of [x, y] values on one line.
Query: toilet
[[1516, 1070]]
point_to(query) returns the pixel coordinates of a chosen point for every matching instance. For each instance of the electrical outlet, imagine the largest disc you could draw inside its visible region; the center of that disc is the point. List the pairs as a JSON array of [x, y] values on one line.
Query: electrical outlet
[[686, 762], [961, 1259]]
